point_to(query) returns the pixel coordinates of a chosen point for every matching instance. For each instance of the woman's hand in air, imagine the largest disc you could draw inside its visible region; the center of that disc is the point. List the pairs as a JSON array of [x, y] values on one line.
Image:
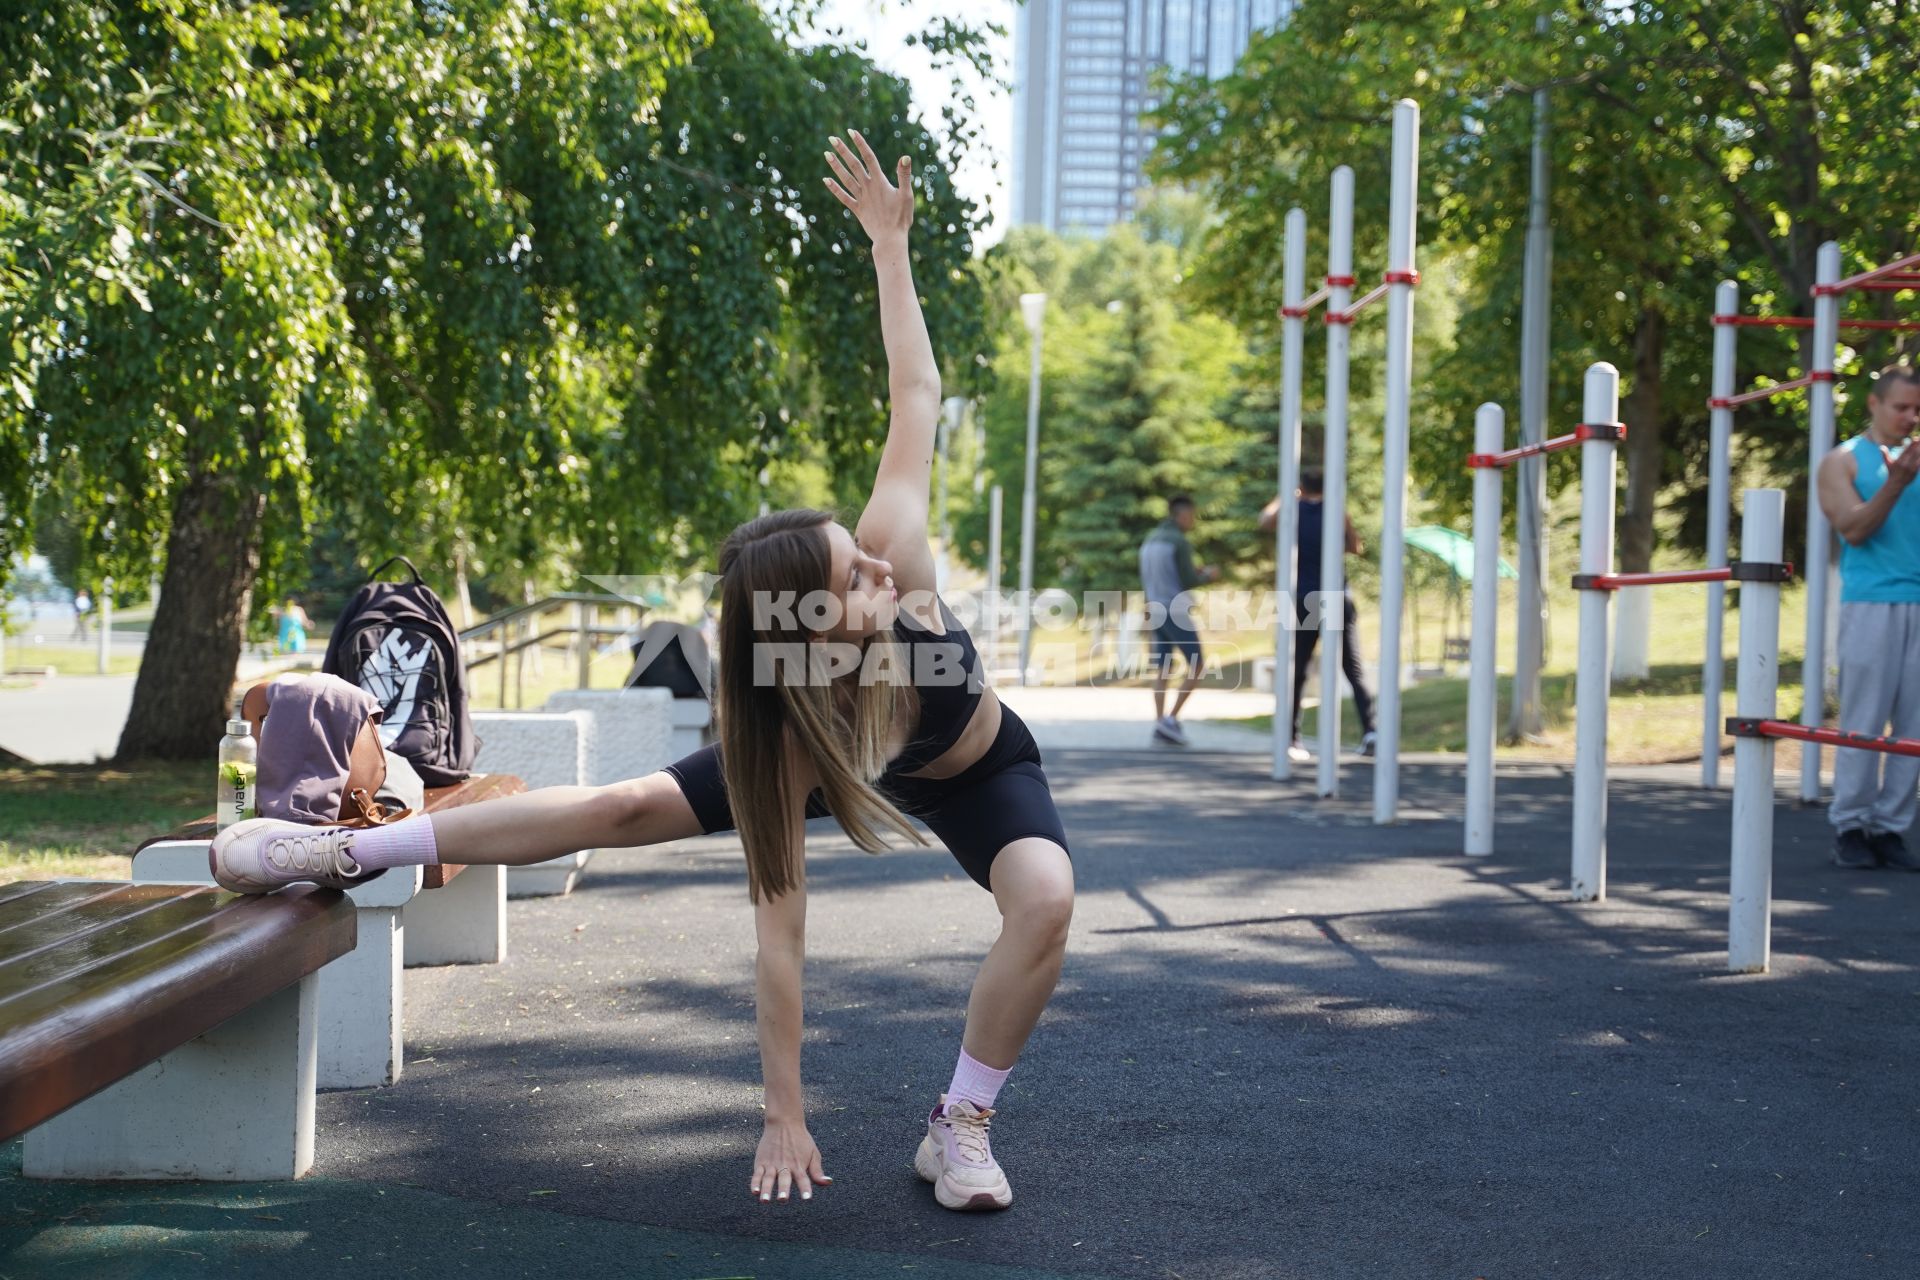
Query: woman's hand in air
[[884, 208], [787, 1161]]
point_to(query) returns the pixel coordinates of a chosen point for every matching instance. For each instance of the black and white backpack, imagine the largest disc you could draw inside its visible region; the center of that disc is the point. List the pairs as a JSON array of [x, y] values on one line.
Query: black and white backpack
[[396, 641]]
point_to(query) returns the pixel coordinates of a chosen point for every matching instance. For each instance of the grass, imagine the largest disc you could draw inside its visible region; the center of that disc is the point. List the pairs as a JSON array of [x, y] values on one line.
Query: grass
[[84, 820], [1650, 721], [70, 662]]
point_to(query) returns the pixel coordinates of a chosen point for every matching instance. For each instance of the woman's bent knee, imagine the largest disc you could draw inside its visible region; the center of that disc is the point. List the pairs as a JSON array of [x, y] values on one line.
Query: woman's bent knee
[[646, 810]]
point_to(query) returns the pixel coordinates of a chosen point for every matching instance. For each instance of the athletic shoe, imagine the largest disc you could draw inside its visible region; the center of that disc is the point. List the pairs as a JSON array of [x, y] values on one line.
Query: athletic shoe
[[1889, 850], [1169, 729], [264, 854], [1298, 753], [1367, 740], [1853, 851], [957, 1159]]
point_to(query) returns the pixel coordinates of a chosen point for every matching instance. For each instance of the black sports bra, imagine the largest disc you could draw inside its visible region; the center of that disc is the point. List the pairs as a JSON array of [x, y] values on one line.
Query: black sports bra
[[946, 674]]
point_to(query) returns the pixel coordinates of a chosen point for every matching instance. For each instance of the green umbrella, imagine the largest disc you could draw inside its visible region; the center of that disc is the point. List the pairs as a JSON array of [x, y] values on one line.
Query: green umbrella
[[1455, 550]]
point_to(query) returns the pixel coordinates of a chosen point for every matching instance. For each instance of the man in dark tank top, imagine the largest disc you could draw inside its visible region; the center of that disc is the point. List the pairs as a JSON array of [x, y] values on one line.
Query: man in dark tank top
[[1306, 582]]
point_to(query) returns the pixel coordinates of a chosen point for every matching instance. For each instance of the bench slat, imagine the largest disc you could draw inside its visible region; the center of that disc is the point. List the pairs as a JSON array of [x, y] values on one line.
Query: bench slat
[[105, 922], [64, 1038]]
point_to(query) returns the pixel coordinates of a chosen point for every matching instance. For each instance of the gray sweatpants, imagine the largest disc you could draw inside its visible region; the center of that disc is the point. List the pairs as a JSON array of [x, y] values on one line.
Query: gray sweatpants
[[1879, 685]]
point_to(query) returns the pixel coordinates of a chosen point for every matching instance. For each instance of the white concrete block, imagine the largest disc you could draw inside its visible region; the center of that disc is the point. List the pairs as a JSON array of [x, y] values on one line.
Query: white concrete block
[[462, 922], [692, 726], [233, 1105], [360, 1015], [543, 749], [631, 734]]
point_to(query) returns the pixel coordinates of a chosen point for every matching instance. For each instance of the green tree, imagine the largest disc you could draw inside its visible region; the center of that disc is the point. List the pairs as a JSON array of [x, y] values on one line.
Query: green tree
[[543, 289]]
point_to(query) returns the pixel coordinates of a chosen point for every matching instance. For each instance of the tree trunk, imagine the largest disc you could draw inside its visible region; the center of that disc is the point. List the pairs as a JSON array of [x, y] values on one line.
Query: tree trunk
[[182, 699], [1642, 413]]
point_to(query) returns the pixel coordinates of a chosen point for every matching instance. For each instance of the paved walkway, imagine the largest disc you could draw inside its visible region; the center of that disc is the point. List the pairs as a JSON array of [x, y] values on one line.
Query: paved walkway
[[1288, 1043], [69, 719]]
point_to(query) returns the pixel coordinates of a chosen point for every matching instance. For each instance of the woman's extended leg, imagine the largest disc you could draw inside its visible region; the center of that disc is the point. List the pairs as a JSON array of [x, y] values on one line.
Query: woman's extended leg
[[553, 821], [263, 854]]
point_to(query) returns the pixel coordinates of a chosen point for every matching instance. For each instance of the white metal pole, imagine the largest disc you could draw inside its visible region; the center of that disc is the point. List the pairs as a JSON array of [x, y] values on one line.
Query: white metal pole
[[993, 578], [1598, 459], [1333, 509], [1489, 434], [1750, 904], [1286, 532], [1813, 682], [1726, 302], [1034, 306], [1393, 510]]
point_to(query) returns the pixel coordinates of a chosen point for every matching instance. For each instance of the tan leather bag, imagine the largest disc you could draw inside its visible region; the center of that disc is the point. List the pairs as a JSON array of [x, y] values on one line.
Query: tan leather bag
[[321, 761]]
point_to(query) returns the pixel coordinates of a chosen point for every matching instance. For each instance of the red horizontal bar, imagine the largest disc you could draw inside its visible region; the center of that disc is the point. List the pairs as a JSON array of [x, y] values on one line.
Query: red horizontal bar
[[1614, 581], [1767, 322], [1838, 738], [1806, 322], [1554, 445], [1855, 282], [1307, 304], [1374, 294], [1764, 393]]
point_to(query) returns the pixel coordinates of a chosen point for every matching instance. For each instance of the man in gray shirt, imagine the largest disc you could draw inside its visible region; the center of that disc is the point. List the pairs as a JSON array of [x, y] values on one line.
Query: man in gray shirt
[[1167, 575]]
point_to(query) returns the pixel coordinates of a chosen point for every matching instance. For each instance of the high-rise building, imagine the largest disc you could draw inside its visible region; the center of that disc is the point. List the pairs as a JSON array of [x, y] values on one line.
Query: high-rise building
[[1081, 82]]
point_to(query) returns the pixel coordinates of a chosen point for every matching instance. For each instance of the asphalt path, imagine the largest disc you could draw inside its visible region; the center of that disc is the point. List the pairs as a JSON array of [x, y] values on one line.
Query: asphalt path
[[1288, 1043]]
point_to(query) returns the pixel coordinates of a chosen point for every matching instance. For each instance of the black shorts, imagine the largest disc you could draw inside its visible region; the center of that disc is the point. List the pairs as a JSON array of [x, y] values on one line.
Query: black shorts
[[1173, 636], [1001, 797]]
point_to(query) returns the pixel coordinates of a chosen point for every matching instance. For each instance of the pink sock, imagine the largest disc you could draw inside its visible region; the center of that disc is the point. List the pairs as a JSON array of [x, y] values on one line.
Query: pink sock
[[406, 843], [975, 1081]]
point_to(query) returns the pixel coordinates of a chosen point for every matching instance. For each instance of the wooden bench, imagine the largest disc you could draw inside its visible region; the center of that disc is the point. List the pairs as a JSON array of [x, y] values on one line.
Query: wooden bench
[[360, 1004], [131, 1012]]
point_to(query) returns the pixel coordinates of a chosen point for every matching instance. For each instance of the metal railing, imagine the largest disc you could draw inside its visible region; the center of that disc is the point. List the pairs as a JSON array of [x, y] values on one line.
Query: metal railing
[[508, 635]]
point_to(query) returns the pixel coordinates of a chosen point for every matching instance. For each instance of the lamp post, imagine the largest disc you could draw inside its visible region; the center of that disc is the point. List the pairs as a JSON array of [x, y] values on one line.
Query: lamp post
[[953, 415], [1033, 309]]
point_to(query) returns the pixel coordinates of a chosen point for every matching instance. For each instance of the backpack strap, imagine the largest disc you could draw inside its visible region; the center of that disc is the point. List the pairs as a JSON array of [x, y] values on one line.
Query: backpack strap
[[418, 581]]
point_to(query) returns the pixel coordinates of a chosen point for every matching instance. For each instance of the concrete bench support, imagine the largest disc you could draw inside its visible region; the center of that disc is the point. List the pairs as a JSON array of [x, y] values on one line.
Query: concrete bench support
[[233, 1105], [462, 922], [359, 996]]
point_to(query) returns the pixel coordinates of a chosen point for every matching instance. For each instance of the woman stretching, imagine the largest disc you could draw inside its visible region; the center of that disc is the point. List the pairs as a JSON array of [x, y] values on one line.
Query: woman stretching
[[846, 688]]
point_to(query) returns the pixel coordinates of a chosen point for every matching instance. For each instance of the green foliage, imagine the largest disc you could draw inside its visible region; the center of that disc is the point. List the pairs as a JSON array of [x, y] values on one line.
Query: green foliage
[[1689, 143], [1139, 400], [529, 280]]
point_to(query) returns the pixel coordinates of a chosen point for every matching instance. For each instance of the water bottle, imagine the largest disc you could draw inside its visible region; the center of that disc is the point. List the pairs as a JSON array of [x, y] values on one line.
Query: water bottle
[[238, 756]]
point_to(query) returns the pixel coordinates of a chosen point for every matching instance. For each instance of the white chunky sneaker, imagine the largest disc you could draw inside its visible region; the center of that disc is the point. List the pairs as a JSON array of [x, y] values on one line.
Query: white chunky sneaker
[[957, 1159], [264, 854]]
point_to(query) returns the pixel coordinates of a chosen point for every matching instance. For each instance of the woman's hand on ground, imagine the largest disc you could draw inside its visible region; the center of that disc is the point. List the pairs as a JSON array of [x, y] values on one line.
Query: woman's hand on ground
[[787, 1161], [883, 208]]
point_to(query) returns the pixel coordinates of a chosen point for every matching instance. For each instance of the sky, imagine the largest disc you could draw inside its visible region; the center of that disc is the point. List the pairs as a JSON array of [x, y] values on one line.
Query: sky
[[883, 25]]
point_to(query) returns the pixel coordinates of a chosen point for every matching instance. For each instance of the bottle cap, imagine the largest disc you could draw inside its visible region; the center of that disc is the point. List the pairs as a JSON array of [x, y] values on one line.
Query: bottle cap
[[240, 728]]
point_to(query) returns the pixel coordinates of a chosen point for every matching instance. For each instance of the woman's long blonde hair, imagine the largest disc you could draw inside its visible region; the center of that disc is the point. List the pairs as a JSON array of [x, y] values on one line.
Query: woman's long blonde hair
[[767, 705]]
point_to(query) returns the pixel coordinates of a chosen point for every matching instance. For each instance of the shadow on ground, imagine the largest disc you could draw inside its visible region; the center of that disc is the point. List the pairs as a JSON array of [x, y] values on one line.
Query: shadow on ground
[[1288, 1043]]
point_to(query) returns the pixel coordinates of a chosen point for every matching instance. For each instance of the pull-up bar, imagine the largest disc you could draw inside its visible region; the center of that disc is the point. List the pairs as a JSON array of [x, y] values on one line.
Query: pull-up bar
[[1748, 727], [1806, 322], [1396, 286], [1891, 272], [1746, 571], [1580, 435], [1826, 325]]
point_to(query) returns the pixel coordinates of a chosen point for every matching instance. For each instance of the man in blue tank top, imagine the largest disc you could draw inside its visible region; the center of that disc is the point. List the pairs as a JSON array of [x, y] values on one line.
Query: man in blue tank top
[[1865, 493]]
